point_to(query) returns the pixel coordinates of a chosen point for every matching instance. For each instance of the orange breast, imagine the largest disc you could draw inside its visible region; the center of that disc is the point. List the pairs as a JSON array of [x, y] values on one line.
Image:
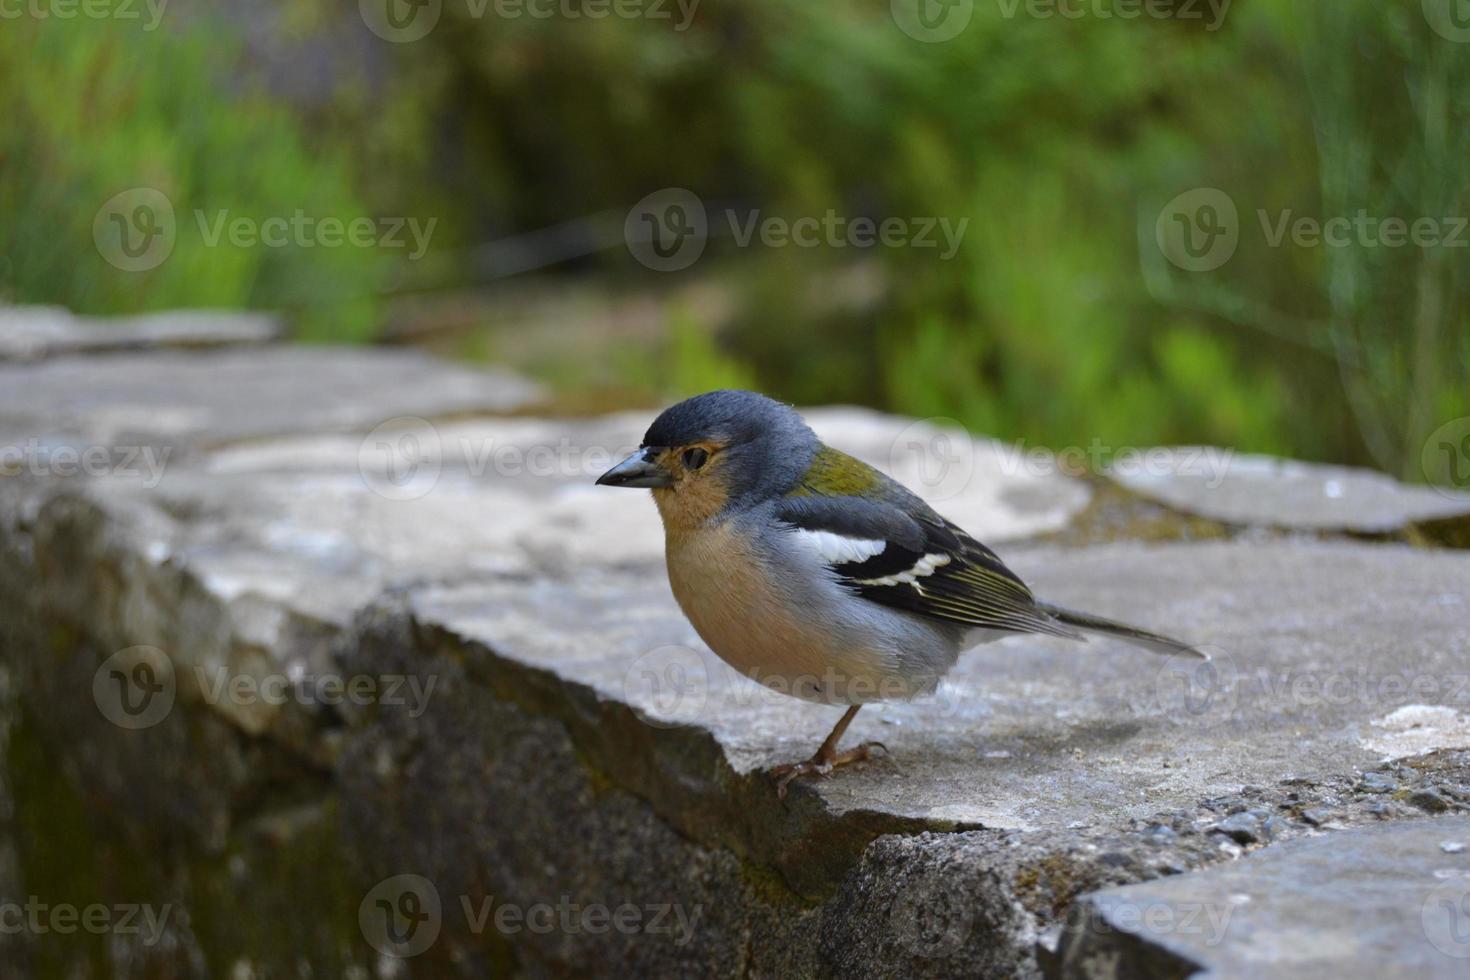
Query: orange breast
[[737, 608]]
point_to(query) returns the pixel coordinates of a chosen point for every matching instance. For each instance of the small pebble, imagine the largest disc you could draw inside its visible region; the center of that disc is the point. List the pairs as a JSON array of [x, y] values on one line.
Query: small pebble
[[1316, 816], [1243, 828], [1452, 847], [1429, 801], [1159, 835], [1377, 782]]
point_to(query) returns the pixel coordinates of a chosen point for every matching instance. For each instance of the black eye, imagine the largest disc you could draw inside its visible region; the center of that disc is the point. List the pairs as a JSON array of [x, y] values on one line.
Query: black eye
[[695, 458]]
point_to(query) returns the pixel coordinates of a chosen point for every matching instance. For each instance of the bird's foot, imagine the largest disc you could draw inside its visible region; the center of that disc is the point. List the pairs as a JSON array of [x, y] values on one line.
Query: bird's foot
[[822, 764]]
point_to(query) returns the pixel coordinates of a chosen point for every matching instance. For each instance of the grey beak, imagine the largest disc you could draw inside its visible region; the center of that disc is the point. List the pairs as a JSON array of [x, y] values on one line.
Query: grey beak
[[638, 470]]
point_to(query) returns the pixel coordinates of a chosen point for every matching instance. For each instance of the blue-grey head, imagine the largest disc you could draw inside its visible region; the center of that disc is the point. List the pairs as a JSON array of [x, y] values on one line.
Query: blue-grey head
[[720, 450]]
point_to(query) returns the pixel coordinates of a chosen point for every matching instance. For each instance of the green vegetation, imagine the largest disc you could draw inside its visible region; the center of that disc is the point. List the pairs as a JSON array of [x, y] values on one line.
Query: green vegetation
[[1058, 140]]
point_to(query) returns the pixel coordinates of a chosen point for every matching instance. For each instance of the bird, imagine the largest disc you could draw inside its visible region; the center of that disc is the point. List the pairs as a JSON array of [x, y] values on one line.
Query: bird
[[817, 575]]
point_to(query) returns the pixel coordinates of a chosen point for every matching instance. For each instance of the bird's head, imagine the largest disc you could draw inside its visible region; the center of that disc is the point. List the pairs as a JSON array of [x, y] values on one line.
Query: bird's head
[[718, 452]]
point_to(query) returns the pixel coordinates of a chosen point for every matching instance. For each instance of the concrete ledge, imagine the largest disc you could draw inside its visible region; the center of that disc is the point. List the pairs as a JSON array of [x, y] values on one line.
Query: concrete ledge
[[540, 728]]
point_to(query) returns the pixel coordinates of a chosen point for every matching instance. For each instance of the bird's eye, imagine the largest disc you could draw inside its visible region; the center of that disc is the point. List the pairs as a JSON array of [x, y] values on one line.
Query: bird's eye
[[695, 458]]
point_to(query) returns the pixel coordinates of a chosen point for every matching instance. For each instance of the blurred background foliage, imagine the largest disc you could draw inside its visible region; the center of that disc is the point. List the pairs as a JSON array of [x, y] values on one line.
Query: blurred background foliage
[[1058, 321]]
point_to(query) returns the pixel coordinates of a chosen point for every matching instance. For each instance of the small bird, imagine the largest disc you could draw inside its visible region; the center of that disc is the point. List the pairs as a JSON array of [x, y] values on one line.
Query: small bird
[[813, 573]]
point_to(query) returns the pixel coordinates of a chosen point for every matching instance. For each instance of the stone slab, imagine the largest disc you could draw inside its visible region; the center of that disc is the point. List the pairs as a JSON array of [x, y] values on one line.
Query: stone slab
[[580, 740], [1032, 733], [1380, 901], [30, 333], [1268, 491], [191, 399]]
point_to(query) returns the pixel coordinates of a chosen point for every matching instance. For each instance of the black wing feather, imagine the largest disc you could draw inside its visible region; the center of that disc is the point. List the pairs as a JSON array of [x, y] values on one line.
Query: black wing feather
[[964, 583]]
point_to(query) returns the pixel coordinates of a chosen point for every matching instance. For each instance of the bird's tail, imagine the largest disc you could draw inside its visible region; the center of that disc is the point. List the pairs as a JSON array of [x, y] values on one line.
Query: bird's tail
[[1131, 634]]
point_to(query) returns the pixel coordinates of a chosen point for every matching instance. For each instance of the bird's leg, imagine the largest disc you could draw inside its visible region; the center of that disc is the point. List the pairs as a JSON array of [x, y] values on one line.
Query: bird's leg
[[827, 757]]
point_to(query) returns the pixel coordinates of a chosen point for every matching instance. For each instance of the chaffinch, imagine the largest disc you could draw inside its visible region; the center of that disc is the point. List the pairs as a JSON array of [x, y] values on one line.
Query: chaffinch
[[813, 573]]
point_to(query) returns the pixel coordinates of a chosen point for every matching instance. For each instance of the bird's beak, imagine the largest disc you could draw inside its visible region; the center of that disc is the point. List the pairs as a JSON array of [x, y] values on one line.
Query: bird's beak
[[638, 470]]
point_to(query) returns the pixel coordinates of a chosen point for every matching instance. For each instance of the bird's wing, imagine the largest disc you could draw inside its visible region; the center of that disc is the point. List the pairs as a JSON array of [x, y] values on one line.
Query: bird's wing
[[899, 553]]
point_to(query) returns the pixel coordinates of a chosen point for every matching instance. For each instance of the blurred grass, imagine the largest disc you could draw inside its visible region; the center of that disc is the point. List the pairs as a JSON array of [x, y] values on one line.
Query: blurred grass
[[1059, 140]]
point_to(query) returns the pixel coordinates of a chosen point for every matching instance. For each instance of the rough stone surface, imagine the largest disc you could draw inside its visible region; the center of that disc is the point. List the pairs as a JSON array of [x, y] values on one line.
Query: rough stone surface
[[30, 333], [1379, 901], [542, 728], [1030, 733], [191, 398], [1269, 491]]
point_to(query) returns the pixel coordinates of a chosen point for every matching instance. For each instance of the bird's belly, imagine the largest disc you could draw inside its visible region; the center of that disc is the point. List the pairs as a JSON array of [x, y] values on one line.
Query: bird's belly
[[739, 610]]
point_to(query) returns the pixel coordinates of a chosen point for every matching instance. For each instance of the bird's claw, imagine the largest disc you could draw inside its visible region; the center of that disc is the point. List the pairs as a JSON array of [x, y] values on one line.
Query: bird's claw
[[822, 764]]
